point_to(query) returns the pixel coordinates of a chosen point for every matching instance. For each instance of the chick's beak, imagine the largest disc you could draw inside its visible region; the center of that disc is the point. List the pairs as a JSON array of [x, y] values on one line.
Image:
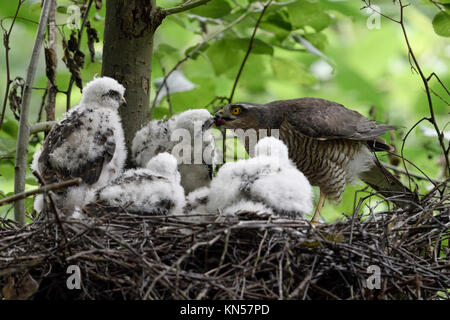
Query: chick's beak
[[208, 124], [123, 102]]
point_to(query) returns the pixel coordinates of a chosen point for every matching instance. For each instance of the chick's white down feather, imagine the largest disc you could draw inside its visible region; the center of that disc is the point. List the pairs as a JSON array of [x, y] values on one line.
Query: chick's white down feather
[[153, 190], [165, 165], [269, 178], [38, 204], [246, 206], [184, 136], [94, 119], [196, 201]]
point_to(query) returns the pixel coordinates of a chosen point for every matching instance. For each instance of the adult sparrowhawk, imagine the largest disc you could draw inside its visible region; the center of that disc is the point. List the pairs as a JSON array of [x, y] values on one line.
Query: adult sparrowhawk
[[329, 143]]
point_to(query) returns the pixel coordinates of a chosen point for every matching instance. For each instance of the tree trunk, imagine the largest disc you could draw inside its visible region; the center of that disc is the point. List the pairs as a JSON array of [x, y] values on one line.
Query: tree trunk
[[127, 57]]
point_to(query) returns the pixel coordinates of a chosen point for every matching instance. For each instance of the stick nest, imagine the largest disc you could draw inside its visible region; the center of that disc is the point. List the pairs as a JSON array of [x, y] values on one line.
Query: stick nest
[[249, 256]]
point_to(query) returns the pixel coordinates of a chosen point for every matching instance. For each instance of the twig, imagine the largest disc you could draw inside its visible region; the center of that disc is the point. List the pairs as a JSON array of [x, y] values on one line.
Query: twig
[[427, 89], [6, 35], [250, 47], [80, 35], [24, 127], [41, 126], [399, 170], [439, 80], [55, 210], [418, 69], [192, 53], [51, 64], [41, 107], [188, 5], [168, 91], [43, 189]]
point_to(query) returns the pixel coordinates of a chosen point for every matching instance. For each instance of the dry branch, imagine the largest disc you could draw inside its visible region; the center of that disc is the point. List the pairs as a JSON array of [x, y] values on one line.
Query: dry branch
[[188, 5], [6, 36], [78, 44], [43, 189], [51, 61], [41, 126]]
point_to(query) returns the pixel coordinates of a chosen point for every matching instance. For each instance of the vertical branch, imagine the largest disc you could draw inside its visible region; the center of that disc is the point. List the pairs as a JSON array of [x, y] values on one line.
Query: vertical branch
[[24, 127], [167, 89], [51, 63], [250, 47], [80, 34], [6, 35]]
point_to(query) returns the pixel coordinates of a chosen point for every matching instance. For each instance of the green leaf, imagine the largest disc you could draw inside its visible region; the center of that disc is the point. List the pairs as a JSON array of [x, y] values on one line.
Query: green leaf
[[223, 56], [318, 40], [10, 126], [7, 145], [200, 96], [280, 19], [278, 23], [447, 8], [441, 24], [161, 113], [164, 50], [228, 52], [259, 47], [198, 52], [213, 9], [280, 33], [29, 204], [31, 182], [62, 9], [293, 71], [303, 13]]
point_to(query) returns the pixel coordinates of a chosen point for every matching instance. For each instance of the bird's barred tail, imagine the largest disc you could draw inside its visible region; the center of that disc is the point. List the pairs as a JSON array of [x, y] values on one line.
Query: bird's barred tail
[[384, 182]]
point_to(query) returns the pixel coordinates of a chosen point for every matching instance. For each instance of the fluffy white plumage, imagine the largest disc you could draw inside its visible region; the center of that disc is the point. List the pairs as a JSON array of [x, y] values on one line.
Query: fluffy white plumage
[[247, 206], [165, 165], [38, 204], [188, 137], [197, 200], [269, 179], [88, 143], [154, 190]]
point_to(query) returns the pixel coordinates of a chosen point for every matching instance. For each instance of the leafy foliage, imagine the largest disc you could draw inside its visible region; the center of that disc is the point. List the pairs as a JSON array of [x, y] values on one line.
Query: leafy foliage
[[302, 48]]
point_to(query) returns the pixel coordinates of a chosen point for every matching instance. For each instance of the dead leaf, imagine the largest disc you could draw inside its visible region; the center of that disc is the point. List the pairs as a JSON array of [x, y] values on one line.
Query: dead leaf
[[23, 290]]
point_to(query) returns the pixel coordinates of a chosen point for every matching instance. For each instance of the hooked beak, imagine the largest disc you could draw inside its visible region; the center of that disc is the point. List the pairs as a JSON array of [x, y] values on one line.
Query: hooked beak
[[123, 102], [218, 118]]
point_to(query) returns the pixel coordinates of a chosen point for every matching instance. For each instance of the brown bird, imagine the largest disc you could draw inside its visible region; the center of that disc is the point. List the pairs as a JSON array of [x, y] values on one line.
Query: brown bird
[[329, 143]]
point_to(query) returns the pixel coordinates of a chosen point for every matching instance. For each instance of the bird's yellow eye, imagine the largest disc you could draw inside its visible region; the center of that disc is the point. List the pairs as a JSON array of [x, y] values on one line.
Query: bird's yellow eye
[[235, 111]]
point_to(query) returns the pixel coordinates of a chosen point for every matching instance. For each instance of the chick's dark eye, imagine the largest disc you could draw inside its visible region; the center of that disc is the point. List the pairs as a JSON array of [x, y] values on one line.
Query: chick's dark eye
[[113, 94]]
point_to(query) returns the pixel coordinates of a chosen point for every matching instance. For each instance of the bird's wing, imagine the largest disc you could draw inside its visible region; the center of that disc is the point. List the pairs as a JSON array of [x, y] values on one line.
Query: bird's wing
[[73, 150], [135, 192], [324, 120]]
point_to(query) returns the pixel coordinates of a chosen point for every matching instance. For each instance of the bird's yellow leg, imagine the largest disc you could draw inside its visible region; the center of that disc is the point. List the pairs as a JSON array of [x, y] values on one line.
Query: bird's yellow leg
[[315, 219]]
